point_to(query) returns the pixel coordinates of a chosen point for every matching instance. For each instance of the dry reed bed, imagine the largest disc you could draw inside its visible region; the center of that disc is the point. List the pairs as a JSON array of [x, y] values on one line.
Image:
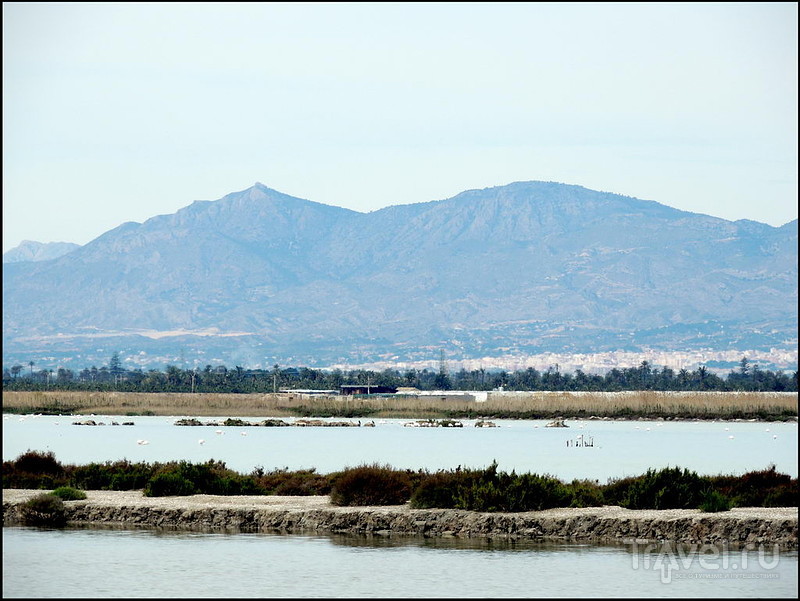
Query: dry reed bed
[[684, 404]]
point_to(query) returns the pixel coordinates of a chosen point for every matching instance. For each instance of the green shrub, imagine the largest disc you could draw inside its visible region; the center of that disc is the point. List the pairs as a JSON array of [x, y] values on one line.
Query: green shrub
[[714, 501], [585, 493], [441, 489], [112, 475], [168, 484], [234, 484], [667, 488], [67, 493], [616, 490], [490, 490], [296, 483], [212, 477], [370, 485], [512, 492], [44, 510]]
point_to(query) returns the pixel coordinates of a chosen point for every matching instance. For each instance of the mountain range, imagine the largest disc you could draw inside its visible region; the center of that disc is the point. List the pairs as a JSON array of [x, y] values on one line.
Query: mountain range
[[30, 250], [259, 277]]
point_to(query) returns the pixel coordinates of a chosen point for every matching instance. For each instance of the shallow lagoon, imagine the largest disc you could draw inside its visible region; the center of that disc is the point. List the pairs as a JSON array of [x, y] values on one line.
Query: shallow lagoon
[[103, 563], [618, 448]]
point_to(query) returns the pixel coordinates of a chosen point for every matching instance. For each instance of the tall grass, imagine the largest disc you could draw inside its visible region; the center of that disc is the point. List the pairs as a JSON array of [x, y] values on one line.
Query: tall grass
[[517, 405]]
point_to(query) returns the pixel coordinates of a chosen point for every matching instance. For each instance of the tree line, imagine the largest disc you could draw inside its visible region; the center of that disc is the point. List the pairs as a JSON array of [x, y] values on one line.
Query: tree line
[[221, 379]]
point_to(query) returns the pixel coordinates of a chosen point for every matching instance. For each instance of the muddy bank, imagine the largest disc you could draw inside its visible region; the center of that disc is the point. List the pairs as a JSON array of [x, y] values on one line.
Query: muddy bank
[[740, 526]]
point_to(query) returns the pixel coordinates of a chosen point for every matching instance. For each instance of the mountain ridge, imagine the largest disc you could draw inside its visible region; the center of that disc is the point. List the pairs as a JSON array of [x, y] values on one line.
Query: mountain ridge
[[517, 268]]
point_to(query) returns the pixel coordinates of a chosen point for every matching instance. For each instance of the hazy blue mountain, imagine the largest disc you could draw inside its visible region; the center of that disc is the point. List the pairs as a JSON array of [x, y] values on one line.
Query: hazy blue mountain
[[260, 276], [29, 250]]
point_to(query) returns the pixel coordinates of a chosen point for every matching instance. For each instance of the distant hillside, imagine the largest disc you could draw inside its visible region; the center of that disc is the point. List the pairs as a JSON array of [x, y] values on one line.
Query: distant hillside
[[28, 250], [259, 276]]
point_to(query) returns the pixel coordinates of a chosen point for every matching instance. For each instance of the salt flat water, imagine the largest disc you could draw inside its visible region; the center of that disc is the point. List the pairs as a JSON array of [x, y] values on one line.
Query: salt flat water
[[617, 448], [103, 563]]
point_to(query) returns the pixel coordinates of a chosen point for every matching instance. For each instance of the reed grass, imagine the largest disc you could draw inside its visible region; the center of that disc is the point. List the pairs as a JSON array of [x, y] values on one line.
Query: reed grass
[[507, 405]]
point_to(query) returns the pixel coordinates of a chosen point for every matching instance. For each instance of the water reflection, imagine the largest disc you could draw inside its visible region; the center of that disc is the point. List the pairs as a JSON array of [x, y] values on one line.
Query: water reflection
[[116, 562]]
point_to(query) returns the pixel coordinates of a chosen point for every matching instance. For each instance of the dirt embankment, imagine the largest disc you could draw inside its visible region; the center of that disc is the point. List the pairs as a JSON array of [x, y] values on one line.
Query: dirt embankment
[[740, 526]]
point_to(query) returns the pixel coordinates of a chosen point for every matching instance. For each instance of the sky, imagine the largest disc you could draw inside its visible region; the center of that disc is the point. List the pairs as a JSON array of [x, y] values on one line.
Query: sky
[[117, 112]]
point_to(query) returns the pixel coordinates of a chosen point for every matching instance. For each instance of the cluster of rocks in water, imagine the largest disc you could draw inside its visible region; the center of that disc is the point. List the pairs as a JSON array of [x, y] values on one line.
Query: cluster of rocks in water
[[271, 422], [91, 422], [274, 422]]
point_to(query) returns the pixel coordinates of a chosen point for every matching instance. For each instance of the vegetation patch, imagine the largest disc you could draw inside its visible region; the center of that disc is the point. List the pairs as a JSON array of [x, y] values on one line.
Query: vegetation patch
[[760, 488], [34, 469], [486, 489], [44, 510], [491, 490], [294, 483], [67, 493], [212, 477], [667, 488], [714, 501], [371, 485]]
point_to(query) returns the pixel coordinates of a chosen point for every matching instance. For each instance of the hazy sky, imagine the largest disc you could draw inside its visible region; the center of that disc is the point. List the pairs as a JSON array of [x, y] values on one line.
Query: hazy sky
[[120, 112]]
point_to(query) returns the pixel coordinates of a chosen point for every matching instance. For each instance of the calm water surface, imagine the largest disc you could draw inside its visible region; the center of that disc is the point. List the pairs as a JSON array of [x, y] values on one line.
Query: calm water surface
[[619, 448], [143, 563]]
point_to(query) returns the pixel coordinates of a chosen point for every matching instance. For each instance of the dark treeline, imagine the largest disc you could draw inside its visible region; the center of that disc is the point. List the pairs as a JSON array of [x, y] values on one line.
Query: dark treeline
[[222, 379]]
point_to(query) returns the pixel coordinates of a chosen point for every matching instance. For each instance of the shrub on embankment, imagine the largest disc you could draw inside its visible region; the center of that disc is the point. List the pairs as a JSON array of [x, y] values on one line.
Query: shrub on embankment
[[45, 510], [371, 485], [212, 477], [490, 490], [486, 489], [67, 493]]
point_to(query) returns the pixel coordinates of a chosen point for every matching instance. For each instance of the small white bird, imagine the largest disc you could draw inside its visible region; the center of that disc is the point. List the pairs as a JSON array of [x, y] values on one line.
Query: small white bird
[[243, 433], [201, 441], [731, 436], [219, 432]]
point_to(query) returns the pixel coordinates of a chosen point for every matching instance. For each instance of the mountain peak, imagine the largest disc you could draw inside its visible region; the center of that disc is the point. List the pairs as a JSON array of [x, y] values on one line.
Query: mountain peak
[[526, 268], [31, 250]]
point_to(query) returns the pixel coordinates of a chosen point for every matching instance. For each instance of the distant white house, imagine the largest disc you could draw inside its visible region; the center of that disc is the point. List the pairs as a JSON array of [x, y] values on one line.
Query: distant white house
[[450, 395]]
